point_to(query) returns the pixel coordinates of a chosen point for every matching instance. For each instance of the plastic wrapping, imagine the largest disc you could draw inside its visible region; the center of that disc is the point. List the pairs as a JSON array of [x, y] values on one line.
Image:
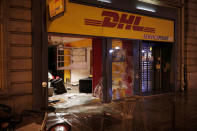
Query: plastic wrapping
[[122, 69], [98, 91]]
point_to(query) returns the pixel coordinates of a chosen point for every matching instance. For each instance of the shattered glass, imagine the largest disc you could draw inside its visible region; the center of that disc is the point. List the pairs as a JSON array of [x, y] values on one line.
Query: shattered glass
[[123, 115]]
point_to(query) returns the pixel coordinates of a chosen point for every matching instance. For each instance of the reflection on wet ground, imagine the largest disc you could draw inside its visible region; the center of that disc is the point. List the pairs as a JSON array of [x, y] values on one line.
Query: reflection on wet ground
[[152, 113], [71, 100]]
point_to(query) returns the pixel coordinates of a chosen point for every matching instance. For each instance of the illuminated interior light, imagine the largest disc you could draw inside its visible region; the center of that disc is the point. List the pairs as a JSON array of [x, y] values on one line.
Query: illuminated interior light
[[111, 51], [107, 1], [146, 8], [151, 48], [117, 48]]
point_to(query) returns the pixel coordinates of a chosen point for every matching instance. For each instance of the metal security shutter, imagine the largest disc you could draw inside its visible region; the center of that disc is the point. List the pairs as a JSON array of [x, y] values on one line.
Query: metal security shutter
[[136, 55], [146, 68]]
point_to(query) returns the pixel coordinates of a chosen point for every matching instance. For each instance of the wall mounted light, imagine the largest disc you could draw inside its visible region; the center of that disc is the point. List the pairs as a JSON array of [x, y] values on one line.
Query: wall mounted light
[[106, 1], [145, 8]]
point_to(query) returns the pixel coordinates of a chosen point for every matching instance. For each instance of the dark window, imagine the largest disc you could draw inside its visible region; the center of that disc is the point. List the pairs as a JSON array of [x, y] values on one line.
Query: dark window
[[116, 4], [131, 6]]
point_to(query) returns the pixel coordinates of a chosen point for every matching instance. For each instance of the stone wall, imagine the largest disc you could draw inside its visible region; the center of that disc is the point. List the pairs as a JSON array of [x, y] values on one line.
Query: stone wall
[[18, 92], [191, 42]]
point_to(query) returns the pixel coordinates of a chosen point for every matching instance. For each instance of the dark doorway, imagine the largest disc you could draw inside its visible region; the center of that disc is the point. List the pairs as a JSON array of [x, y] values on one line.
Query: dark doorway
[[162, 67], [52, 64], [156, 67]]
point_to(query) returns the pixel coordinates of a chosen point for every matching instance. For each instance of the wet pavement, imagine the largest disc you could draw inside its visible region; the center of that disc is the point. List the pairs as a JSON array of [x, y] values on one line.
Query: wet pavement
[[68, 100], [164, 112]]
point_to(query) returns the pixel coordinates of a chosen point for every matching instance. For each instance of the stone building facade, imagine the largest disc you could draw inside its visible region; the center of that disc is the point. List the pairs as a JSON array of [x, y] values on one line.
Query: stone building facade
[[17, 85], [190, 50], [16, 54]]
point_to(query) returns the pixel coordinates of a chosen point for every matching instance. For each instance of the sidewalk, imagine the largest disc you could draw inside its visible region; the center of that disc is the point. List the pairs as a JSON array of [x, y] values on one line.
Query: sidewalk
[[169, 112], [116, 116], [152, 113]]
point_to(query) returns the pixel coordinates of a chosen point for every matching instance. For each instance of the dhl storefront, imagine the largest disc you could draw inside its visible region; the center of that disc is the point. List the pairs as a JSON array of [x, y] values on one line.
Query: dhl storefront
[[124, 53]]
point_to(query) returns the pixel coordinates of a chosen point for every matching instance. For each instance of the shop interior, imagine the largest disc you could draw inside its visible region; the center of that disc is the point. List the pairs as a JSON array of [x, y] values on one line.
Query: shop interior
[[70, 69]]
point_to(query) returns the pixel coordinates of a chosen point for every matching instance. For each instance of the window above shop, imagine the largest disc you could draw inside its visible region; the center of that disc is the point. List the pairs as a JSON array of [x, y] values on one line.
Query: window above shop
[[145, 7], [116, 4]]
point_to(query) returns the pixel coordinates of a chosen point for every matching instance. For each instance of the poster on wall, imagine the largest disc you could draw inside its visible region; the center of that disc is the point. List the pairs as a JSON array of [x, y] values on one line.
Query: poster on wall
[[122, 69], [56, 8], [118, 55]]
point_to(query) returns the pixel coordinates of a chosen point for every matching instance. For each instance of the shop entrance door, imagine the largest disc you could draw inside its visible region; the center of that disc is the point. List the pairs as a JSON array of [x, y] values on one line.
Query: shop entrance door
[[162, 67], [155, 65]]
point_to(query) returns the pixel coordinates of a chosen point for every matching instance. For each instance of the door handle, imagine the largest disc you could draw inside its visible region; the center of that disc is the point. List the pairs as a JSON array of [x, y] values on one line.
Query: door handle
[[44, 84]]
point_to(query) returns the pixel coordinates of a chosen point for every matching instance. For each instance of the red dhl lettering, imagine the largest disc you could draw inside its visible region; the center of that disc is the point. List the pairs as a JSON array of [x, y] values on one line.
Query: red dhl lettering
[[122, 21]]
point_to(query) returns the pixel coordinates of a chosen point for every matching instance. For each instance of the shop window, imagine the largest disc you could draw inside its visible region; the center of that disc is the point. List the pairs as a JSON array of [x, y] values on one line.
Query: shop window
[[122, 69], [146, 68]]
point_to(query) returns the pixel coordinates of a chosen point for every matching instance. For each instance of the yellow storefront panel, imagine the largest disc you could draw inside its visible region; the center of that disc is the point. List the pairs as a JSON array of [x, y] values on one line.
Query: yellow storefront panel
[[93, 21], [56, 7]]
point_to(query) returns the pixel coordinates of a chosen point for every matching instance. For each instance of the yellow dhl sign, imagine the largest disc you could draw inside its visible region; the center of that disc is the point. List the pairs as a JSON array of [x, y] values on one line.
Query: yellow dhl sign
[[93, 21], [56, 7]]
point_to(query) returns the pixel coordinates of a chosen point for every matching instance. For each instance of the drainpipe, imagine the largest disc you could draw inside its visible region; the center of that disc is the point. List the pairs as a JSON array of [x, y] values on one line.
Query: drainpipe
[[183, 48]]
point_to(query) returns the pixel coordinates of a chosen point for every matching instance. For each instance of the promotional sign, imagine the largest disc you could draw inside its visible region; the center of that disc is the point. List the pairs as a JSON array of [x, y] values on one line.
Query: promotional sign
[[93, 21], [56, 7]]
